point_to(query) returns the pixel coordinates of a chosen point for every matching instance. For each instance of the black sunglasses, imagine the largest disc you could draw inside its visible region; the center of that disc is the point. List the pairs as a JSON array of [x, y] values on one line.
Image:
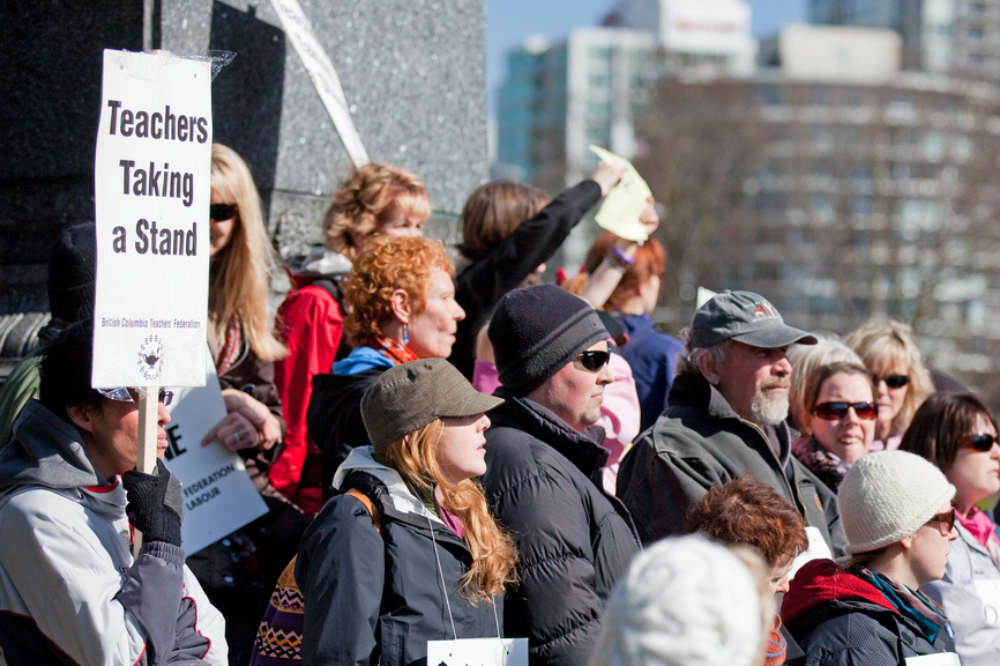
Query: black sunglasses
[[221, 212], [981, 441], [594, 360], [893, 381], [947, 519], [831, 411]]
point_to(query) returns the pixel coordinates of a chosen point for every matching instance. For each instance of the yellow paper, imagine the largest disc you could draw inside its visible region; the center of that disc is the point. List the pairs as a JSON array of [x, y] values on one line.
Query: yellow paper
[[619, 212]]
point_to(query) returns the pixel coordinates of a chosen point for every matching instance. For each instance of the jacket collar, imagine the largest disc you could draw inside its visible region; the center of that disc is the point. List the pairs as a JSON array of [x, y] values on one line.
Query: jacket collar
[[583, 448], [693, 392]]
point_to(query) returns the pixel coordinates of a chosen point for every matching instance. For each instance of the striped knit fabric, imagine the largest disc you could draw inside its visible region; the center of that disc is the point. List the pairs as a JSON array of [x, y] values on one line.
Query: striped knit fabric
[[777, 647], [279, 639]]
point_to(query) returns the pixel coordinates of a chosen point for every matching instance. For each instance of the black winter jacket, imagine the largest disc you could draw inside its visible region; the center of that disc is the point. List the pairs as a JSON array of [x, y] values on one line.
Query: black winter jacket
[[852, 632], [373, 599], [840, 619], [700, 443], [334, 418], [480, 285], [543, 482]]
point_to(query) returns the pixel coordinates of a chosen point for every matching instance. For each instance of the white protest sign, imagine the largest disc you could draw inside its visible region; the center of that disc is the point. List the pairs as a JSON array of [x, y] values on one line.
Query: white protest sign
[[936, 659], [152, 190], [478, 652], [219, 497]]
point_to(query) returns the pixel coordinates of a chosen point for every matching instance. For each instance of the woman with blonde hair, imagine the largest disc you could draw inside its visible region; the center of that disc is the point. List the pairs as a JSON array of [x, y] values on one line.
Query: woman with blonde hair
[[407, 551], [890, 353], [239, 571], [378, 199], [403, 308]]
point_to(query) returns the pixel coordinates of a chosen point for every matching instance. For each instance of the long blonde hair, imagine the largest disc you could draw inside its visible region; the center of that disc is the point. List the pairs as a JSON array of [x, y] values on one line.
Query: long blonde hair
[[492, 549], [245, 265], [884, 346]]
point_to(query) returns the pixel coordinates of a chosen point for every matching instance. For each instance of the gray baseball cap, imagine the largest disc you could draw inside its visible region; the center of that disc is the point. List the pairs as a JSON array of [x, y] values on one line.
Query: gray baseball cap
[[745, 317], [409, 396]]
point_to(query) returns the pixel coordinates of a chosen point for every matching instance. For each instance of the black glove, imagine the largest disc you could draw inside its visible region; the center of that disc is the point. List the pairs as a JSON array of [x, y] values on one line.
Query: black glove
[[154, 504]]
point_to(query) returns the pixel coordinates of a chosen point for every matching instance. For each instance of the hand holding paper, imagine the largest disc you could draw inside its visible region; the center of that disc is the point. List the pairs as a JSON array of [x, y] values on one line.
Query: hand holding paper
[[623, 205]]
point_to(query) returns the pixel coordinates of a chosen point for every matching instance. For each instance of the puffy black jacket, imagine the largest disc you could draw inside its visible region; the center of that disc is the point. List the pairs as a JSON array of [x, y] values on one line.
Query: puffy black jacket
[[700, 443], [574, 540], [373, 599]]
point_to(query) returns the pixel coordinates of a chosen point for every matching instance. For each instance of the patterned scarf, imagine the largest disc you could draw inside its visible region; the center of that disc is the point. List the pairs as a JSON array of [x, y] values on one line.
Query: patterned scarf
[[908, 602], [777, 646], [982, 529], [829, 468], [229, 350], [396, 351]]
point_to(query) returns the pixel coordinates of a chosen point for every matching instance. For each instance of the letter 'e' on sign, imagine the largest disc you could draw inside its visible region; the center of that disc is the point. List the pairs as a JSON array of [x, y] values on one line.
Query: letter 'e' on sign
[[152, 191]]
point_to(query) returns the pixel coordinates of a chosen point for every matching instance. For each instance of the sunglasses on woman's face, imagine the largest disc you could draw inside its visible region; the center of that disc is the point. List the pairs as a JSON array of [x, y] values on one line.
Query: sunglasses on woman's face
[[832, 411], [893, 381], [945, 522], [982, 442], [221, 212], [592, 361]]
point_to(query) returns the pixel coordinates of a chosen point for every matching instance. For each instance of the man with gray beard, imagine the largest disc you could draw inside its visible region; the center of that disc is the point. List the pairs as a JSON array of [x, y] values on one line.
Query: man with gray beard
[[726, 418]]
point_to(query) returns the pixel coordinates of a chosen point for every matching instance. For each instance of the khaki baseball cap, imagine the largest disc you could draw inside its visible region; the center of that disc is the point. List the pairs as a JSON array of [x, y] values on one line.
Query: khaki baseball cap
[[411, 395]]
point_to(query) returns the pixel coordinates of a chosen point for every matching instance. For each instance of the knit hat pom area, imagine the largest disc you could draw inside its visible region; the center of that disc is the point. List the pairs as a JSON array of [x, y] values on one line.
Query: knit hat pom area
[[684, 602], [887, 496], [536, 331]]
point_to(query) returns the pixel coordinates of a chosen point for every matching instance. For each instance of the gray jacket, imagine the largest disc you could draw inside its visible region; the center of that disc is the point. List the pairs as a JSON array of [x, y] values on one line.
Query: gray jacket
[[700, 443], [977, 628]]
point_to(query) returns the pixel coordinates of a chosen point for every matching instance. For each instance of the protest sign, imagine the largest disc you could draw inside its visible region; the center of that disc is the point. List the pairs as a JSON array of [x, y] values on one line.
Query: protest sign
[[152, 189], [219, 497], [478, 652], [619, 212]]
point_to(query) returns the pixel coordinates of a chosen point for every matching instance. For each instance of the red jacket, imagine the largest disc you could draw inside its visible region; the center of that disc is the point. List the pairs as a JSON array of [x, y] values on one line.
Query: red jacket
[[310, 322]]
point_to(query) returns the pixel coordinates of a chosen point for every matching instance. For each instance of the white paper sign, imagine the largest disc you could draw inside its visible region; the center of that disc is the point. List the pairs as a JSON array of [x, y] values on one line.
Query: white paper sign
[[478, 652], [817, 550], [936, 659], [152, 189], [219, 497]]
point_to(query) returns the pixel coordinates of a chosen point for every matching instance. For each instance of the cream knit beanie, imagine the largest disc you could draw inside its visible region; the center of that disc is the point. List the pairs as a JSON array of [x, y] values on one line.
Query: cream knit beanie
[[886, 496], [683, 602]]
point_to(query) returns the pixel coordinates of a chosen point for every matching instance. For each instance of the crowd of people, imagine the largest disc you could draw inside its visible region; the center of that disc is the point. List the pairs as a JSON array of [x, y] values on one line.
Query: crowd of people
[[453, 451]]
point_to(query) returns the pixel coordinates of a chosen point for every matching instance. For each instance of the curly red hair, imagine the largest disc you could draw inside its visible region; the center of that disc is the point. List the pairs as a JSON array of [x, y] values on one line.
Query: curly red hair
[[389, 263], [749, 512]]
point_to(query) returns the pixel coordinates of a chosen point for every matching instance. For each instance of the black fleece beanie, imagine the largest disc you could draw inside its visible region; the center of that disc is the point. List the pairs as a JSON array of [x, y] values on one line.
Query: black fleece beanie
[[538, 330]]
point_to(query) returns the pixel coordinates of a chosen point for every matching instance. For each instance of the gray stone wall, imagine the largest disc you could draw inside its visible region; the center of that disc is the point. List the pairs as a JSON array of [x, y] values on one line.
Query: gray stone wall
[[413, 72]]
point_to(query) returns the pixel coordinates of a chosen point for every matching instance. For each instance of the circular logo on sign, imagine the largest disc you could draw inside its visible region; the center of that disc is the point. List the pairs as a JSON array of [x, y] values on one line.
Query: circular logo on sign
[[151, 358]]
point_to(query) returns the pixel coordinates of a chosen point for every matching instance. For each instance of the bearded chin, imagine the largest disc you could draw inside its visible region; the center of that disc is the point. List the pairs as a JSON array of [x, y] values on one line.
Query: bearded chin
[[768, 409]]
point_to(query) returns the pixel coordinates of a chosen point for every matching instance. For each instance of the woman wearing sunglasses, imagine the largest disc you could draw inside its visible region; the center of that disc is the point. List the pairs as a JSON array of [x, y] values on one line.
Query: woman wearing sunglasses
[[890, 353], [239, 571], [837, 419], [957, 432], [897, 515]]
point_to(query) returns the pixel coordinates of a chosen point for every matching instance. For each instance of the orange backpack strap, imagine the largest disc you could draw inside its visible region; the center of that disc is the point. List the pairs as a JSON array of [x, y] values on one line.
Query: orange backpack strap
[[372, 511]]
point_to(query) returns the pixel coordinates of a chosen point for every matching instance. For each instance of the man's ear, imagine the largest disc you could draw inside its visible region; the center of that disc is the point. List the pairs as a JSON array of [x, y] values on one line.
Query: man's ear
[[81, 416], [401, 305], [708, 368]]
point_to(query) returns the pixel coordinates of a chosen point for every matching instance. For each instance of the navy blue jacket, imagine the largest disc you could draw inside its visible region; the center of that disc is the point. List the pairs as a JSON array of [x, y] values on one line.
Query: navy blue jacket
[[372, 599]]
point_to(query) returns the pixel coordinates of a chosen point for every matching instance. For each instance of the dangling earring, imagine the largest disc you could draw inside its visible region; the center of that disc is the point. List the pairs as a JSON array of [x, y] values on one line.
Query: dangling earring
[[406, 338]]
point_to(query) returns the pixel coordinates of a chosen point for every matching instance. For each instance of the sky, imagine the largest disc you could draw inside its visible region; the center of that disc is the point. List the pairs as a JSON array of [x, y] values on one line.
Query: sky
[[508, 22]]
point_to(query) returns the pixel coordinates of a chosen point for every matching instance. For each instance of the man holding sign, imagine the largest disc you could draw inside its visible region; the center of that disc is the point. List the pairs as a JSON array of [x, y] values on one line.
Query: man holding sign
[[70, 590]]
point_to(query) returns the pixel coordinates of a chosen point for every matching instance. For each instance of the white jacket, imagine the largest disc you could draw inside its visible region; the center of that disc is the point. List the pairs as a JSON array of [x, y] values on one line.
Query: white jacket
[[67, 576]]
